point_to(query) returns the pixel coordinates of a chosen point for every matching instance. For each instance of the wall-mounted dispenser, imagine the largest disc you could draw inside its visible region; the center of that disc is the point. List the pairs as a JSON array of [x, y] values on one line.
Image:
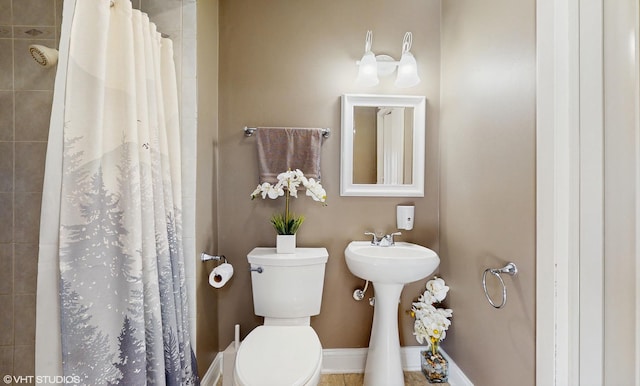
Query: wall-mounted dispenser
[[404, 216]]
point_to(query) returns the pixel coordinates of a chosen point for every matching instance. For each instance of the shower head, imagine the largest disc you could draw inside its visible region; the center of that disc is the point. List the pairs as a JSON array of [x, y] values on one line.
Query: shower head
[[45, 56]]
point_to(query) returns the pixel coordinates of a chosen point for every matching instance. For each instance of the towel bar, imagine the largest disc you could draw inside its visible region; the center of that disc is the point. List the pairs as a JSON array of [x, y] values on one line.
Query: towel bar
[[248, 131], [509, 269]]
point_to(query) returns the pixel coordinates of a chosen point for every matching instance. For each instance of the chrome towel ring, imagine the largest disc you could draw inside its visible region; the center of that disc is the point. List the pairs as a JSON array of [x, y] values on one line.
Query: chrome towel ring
[[509, 269]]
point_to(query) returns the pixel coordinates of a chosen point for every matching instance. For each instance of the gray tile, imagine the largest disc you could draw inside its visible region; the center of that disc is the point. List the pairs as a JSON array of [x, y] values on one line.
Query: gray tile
[[5, 12], [24, 319], [33, 12], [31, 32], [24, 361], [6, 360], [29, 167], [6, 64], [189, 17], [59, 4], [6, 320], [6, 269], [26, 268], [6, 115], [33, 111], [29, 75], [6, 166], [154, 7], [6, 217], [27, 217], [6, 32], [167, 15]]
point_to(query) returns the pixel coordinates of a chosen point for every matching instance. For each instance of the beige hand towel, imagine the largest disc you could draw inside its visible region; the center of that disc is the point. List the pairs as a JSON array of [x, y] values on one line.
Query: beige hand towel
[[281, 149]]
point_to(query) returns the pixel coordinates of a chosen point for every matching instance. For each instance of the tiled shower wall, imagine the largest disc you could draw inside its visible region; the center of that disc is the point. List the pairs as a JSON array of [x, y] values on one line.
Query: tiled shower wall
[[26, 92], [176, 19]]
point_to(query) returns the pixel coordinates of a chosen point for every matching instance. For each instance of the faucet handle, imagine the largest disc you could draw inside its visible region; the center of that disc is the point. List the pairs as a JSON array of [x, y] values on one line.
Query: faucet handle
[[391, 241], [375, 240]]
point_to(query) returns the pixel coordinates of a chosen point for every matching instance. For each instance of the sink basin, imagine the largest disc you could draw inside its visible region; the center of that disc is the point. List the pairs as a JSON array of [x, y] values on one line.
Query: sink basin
[[401, 263], [389, 269]]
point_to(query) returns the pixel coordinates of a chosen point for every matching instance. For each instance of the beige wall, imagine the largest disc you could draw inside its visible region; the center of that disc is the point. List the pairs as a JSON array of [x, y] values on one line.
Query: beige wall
[[621, 106], [206, 203], [487, 184], [287, 63]]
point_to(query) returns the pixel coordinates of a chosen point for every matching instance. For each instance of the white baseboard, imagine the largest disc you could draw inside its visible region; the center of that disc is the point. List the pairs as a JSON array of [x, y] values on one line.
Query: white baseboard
[[214, 372], [343, 360], [352, 360]]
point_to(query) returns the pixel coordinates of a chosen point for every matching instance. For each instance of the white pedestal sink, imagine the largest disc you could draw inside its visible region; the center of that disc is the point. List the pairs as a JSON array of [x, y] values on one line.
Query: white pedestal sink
[[389, 269]]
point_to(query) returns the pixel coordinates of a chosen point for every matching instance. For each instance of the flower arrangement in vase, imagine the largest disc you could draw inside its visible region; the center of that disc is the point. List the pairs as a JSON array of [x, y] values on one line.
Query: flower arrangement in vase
[[287, 224], [431, 325]]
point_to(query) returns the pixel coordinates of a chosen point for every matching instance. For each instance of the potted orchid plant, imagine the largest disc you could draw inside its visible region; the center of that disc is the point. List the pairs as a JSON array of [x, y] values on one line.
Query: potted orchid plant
[[287, 224], [431, 325]]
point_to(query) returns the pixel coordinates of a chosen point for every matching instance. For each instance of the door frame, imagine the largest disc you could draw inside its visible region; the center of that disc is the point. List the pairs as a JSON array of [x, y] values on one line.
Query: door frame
[[570, 193]]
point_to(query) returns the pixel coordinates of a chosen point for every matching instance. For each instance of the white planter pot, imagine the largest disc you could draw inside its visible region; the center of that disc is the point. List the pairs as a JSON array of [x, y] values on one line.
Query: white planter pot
[[286, 244]]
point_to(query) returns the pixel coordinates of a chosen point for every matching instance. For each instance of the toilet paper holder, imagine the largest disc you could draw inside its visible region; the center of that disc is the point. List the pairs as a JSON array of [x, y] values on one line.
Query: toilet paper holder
[[206, 257]]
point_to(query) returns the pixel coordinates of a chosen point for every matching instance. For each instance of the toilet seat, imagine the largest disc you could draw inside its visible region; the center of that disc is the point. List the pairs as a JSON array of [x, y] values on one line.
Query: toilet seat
[[279, 355]]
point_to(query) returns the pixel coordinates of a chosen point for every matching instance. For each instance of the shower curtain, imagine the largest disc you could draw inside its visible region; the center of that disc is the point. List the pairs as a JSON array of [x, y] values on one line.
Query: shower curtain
[[111, 302]]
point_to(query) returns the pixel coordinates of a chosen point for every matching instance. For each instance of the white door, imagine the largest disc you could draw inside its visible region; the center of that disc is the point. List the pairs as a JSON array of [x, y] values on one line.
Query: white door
[[587, 193]]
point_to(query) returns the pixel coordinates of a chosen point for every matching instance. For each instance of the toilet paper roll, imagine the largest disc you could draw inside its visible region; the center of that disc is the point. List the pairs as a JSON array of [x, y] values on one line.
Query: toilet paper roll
[[220, 275]]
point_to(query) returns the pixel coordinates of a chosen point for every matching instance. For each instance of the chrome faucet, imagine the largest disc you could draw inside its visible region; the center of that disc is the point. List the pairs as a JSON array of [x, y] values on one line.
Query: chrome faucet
[[375, 240], [385, 241]]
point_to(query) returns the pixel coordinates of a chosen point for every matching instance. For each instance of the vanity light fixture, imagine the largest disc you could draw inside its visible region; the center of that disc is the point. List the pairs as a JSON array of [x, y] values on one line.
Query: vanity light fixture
[[371, 65]]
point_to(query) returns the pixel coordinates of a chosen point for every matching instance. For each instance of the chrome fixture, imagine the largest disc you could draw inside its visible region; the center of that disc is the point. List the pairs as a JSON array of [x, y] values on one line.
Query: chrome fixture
[[358, 294], [511, 270], [248, 131], [371, 65], [205, 257], [385, 241]]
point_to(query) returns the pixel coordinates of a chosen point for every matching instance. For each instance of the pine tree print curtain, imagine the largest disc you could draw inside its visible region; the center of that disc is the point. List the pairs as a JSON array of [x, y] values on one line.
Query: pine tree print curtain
[[111, 240]]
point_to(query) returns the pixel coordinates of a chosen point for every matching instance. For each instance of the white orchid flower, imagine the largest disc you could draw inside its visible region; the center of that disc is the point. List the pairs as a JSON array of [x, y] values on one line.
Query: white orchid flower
[[302, 177], [288, 176], [315, 190], [256, 192], [272, 191], [437, 288], [427, 298], [291, 180], [287, 185], [431, 323]]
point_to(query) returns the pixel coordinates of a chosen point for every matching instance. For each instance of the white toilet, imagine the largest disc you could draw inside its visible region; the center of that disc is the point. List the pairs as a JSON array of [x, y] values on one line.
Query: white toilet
[[287, 291]]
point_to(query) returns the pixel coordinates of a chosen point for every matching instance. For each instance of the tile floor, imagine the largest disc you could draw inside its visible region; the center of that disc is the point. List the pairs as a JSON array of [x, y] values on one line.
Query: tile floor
[[411, 378]]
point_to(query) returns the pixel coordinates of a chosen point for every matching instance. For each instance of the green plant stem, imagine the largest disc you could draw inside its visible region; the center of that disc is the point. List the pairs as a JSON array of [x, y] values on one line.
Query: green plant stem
[[286, 206]]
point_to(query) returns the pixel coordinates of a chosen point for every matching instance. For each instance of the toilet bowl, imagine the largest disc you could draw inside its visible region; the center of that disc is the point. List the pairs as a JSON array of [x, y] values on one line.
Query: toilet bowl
[[279, 356], [287, 292]]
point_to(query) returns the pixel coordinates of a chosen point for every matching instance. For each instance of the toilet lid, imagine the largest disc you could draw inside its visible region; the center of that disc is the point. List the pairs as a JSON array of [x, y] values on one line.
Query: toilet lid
[[278, 355]]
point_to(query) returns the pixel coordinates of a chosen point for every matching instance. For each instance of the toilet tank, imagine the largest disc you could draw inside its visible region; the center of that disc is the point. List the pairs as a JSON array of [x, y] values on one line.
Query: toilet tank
[[290, 285]]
